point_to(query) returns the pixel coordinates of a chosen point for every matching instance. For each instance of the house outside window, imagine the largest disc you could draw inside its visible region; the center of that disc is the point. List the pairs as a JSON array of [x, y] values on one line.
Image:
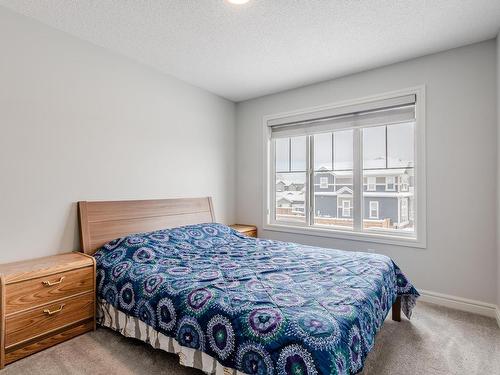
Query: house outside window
[[317, 171]]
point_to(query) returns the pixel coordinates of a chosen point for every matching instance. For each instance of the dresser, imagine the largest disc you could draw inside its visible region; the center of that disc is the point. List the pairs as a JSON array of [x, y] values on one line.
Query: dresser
[[247, 230], [45, 301]]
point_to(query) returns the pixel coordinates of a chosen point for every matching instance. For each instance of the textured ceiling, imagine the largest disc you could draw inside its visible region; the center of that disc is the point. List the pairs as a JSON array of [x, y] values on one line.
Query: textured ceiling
[[266, 46]]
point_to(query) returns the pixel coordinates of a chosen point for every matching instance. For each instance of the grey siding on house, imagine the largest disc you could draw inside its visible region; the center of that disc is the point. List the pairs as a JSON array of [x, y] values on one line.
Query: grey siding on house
[[325, 205], [387, 208]]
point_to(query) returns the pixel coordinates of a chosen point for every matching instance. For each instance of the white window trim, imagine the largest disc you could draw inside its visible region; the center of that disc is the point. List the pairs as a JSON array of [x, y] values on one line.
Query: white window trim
[[420, 219], [321, 184], [370, 209], [369, 184], [393, 183], [346, 209]]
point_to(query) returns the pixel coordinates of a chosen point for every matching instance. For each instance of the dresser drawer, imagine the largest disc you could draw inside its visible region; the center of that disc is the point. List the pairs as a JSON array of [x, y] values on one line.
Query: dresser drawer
[[47, 341], [46, 318], [43, 290]]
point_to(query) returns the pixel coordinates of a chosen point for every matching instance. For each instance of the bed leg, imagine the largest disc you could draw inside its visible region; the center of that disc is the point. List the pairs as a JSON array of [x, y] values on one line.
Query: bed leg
[[396, 310]]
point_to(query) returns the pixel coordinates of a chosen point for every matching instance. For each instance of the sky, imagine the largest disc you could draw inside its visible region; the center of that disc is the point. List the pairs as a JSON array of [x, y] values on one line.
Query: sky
[[399, 150]]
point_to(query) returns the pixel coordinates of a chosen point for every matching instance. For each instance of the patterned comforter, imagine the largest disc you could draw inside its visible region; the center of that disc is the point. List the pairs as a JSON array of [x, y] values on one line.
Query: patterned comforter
[[258, 306]]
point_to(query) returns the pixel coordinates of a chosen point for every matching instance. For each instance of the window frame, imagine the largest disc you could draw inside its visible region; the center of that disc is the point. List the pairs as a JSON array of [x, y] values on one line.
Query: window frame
[[393, 183], [322, 184], [370, 216], [368, 184], [305, 228], [346, 208]]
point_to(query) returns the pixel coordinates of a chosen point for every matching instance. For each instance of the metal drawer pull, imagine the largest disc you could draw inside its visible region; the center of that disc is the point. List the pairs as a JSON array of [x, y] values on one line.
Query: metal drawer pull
[[50, 283], [48, 312]]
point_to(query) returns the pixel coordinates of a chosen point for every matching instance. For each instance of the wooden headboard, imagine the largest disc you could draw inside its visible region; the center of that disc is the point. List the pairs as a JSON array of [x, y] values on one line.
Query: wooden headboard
[[101, 222]]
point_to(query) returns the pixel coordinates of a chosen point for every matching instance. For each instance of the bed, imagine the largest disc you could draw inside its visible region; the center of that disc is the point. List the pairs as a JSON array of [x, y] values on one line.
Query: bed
[[169, 275]]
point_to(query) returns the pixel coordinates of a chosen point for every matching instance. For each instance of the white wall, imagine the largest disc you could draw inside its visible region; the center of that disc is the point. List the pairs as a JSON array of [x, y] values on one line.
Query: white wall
[[460, 259], [80, 123]]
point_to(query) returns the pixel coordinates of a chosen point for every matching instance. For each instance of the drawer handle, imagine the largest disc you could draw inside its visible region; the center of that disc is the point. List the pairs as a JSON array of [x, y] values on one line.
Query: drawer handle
[[48, 312], [52, 283]]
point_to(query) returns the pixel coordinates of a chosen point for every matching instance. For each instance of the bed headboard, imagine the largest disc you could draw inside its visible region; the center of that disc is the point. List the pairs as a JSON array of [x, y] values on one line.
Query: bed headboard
[[101, 222]]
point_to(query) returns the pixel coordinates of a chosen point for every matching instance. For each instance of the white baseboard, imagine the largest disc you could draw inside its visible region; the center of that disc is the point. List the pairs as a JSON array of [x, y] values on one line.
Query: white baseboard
[[462, 304]]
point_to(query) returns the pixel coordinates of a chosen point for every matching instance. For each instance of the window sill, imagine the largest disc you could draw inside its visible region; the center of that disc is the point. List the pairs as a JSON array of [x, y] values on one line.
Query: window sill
[[348, 235]]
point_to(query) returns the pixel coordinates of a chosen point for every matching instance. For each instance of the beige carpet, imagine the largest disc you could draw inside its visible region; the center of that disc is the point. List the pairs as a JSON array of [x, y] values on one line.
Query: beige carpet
[[436, 341]]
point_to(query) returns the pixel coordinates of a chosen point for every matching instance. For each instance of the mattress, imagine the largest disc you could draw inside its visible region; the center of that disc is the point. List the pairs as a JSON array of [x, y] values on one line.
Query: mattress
[[227, 302]]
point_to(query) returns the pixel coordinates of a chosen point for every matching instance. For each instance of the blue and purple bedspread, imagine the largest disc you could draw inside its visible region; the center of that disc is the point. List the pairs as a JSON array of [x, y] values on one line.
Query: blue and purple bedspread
[[255, 305]]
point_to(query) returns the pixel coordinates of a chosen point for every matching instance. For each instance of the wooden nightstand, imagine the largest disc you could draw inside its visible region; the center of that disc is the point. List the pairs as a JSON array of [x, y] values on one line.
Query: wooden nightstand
[[247, 230], [43, 302]]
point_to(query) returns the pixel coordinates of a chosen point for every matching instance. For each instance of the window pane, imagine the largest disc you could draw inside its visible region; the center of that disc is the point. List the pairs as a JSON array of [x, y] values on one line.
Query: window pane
[[323, 151], [388, 193], [343, 150], [400, 145], [333, 190], [374, 147], [390, 183], [298, 153], [371, 183], [282, 154], [290, 197]]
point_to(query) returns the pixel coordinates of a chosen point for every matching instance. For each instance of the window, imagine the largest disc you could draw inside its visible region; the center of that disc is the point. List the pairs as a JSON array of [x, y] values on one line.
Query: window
[[290, 179], [346, 208], [371, 184], [333, 169], [333, 207], [390, 183], [373, 209], [323, 182]]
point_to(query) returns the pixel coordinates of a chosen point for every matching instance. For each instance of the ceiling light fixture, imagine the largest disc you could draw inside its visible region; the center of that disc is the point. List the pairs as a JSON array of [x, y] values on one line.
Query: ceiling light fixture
[[238, 2]]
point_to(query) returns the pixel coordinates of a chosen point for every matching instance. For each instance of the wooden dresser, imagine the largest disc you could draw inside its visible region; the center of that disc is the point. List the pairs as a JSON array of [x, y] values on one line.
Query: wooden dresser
[[247, 230], [43, 302]]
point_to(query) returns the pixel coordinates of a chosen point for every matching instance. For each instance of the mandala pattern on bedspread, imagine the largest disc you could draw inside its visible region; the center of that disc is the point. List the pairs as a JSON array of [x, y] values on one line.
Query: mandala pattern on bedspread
[[258, 306]]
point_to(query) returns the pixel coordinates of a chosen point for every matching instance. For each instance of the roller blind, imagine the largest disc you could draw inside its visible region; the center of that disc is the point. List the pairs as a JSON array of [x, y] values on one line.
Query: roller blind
[[387, 111]]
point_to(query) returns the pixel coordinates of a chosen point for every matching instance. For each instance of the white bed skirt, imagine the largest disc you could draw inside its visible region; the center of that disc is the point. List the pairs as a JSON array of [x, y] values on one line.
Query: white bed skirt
[[130, 326]]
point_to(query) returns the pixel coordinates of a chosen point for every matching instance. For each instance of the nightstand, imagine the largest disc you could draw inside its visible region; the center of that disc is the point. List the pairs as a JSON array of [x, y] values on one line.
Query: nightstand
[[247, 230], [44, 302]]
